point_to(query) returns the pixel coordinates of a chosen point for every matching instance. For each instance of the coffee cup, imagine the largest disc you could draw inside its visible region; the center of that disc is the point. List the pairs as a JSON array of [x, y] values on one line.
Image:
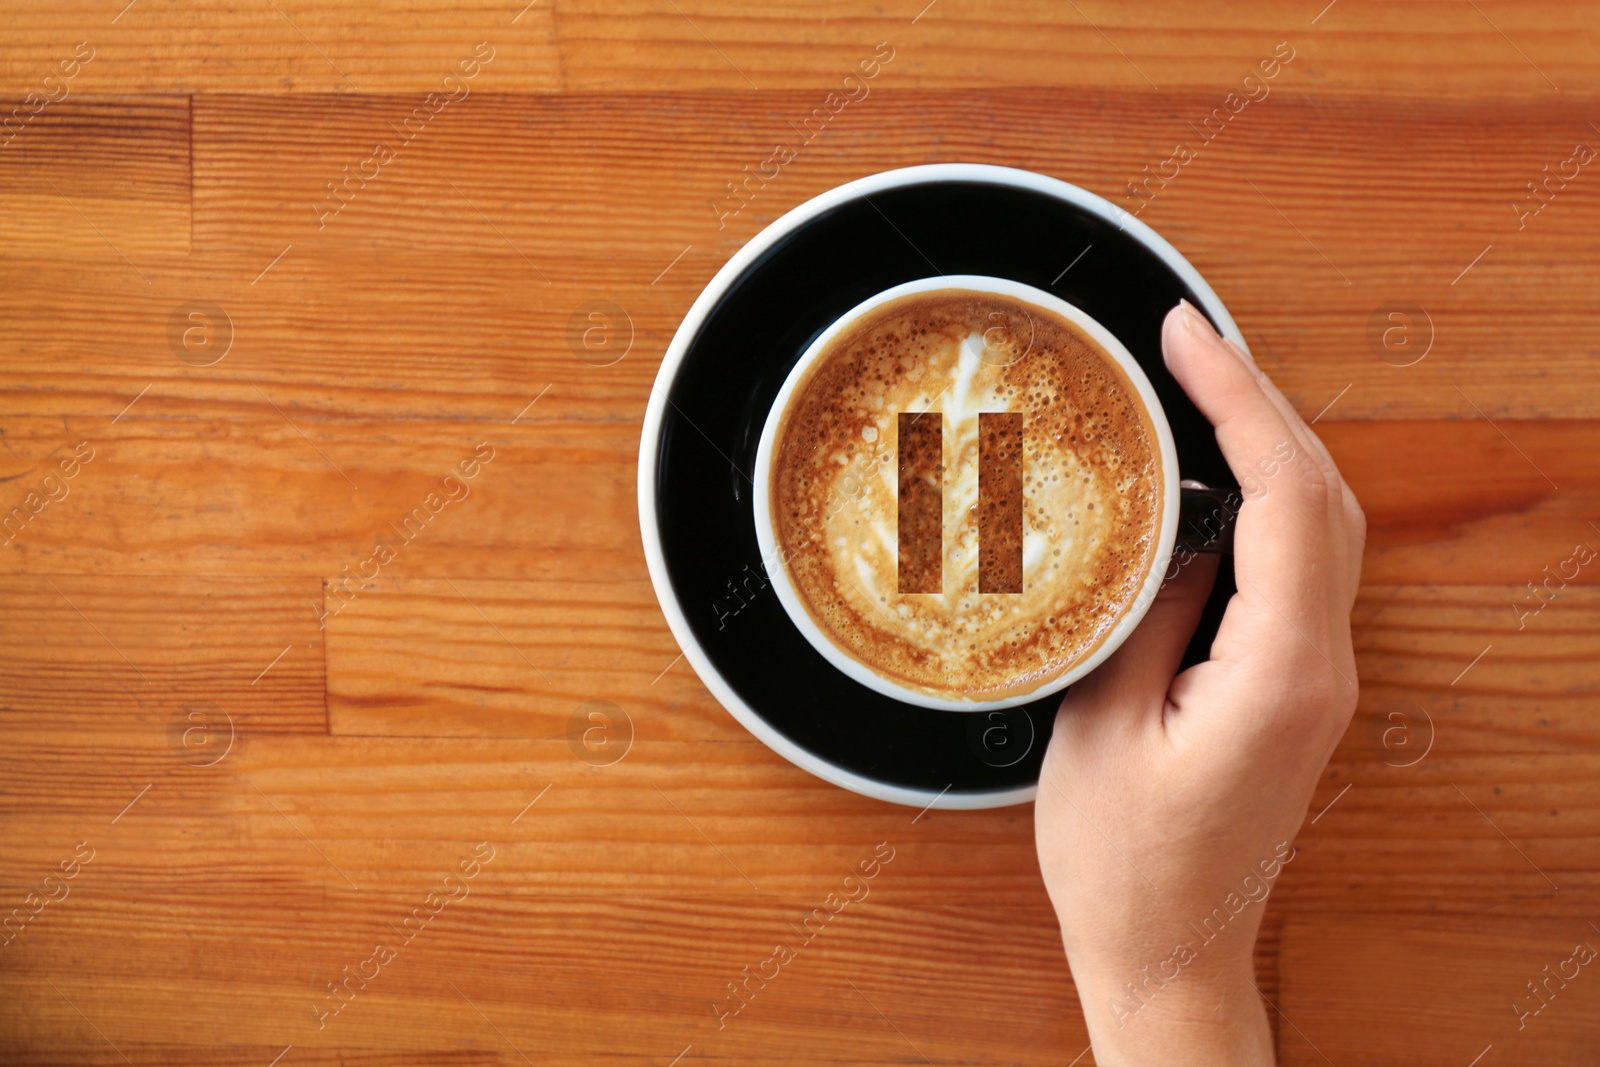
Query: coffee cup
[[983, 626]]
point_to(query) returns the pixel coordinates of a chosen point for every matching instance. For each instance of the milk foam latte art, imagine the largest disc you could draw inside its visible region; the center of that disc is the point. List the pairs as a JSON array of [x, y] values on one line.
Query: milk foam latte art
[[1091, 492]]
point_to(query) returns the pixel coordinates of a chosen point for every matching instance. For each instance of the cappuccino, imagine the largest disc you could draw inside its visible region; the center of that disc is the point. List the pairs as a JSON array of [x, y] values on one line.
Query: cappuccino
[[966, 492]]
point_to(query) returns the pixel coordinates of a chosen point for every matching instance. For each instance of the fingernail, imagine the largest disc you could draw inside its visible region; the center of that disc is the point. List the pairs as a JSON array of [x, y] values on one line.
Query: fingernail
[[1196, 323]]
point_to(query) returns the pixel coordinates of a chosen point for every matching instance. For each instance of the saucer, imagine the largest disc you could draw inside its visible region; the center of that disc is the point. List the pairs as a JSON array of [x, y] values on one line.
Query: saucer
[[725, 366]]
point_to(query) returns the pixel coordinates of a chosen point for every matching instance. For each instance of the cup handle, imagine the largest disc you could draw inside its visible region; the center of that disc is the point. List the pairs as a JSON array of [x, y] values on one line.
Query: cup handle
[[1206, 518]]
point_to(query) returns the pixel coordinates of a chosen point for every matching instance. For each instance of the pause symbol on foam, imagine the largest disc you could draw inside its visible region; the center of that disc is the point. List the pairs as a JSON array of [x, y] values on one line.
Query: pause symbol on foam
[[921, 519]]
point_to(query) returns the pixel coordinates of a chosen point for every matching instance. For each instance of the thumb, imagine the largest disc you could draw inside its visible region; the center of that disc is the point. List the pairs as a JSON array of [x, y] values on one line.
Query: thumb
[[1136, 677]]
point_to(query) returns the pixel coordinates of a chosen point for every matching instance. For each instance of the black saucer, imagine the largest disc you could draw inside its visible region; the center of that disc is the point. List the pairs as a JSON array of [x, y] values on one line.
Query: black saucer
[[718, 401]]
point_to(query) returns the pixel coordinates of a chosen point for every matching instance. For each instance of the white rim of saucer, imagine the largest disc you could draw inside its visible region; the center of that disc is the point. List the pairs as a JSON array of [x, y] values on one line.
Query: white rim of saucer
[[694, 319], [1166, 531]]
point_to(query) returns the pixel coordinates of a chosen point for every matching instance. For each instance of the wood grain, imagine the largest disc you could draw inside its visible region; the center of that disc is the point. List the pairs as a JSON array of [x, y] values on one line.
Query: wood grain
[[276, 754], [469, 658], [695, 887], [1447, 501], [321, 494], [516, 210], [1369, 990], [1476, 670], [1362, 46], [92, 652], [97, 179]]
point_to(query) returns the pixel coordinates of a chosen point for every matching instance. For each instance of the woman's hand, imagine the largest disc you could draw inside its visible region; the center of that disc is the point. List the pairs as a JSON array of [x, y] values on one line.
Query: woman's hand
[[1167, 805]]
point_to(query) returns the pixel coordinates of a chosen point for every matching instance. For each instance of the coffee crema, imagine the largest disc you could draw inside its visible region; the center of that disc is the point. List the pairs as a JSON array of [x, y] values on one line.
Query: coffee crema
[[851, 477]]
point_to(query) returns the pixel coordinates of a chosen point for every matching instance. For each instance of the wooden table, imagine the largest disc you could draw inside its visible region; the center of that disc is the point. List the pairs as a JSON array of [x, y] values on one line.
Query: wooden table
[[259, 775]]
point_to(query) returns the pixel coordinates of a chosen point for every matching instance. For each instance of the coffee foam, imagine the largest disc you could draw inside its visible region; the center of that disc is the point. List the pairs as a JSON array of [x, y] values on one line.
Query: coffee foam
[[1091, 483]]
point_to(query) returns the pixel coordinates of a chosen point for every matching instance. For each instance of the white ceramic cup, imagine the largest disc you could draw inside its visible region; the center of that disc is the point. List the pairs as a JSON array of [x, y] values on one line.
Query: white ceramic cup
[[772, 554]]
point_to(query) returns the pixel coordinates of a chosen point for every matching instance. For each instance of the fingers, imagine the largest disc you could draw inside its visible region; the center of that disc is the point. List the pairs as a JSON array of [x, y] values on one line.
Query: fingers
[[1298, 539], [1283, 528], [1252, 418], [1133, 682], [1354, 518]]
